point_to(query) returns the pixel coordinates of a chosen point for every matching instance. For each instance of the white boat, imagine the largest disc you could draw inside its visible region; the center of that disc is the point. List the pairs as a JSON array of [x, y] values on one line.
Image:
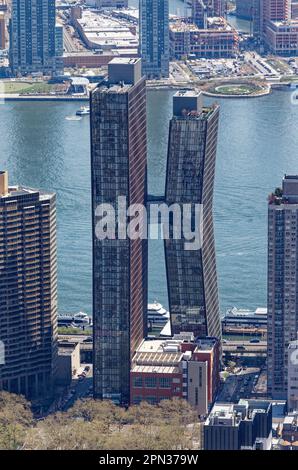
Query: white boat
[[235, 316], [81, 317], [83, 111], [157, 315], [78, 319]]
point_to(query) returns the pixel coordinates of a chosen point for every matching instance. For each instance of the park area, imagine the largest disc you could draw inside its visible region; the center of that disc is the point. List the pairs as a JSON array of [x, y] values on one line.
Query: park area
[[29, 87], [248, 89]]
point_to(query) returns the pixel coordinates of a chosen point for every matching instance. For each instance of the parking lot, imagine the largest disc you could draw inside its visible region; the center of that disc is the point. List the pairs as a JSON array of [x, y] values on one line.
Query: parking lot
[[221, 68], [247, 65]]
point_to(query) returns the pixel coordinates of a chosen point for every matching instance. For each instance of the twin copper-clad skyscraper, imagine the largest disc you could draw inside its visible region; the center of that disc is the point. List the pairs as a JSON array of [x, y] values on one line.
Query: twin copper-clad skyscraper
[[191, 274], [119, 168]]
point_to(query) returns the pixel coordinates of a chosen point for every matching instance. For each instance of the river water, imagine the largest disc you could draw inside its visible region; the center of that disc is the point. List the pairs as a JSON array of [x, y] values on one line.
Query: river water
[[258, 143]]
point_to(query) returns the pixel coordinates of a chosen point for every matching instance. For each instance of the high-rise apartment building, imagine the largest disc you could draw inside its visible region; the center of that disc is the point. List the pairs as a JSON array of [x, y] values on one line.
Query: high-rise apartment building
[[219, 7], [257, 20], [191, 274], [282, 282], [33, 37], [154, 38], [199, 13], [294, 10], [244, 9], [251, 10], [28, 289], [2, 30], [119, 164], [201, 9], [277, 10], [278, 27]]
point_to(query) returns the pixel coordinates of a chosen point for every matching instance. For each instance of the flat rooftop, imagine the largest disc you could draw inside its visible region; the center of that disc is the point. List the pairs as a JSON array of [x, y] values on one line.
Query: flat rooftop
[[106, 31], [155, 369], [215, 25], [130, 13], [107, 87], [188, 93], [66, 348], [285, 24], [124, 60], [222, 414], [181, 26], [230, 414], [14, 191], [154, 353], [205, 344]]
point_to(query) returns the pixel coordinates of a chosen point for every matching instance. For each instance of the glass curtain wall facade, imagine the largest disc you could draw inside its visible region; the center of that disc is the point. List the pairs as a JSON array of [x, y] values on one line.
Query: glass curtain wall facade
[[119, 165], [191, 275]]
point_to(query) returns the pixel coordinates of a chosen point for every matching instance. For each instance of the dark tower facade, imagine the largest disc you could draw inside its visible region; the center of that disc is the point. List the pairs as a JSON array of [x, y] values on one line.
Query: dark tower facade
[[191, 275], [119, 165]]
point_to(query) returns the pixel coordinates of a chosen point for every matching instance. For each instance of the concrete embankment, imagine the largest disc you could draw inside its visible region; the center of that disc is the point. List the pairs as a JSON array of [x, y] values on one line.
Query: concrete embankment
[[17, 97]]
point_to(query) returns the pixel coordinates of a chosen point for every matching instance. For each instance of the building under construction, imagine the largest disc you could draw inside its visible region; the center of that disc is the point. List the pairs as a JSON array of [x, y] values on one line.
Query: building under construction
[[217, 40]]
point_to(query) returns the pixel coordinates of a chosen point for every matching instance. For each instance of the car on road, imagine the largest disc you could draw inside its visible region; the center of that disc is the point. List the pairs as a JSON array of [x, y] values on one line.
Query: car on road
[[88, 340]]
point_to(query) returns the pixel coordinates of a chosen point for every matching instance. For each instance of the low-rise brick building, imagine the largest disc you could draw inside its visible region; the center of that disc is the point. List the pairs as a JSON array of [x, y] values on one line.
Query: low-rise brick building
[[180, 367]]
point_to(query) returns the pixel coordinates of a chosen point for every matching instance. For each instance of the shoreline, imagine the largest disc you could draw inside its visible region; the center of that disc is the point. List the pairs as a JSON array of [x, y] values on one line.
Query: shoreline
[[151, 86], [15, 97]]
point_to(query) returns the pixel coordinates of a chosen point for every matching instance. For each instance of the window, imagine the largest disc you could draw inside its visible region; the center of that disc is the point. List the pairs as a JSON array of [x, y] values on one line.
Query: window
[[165, 382], [150, 382], [138, 381]]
